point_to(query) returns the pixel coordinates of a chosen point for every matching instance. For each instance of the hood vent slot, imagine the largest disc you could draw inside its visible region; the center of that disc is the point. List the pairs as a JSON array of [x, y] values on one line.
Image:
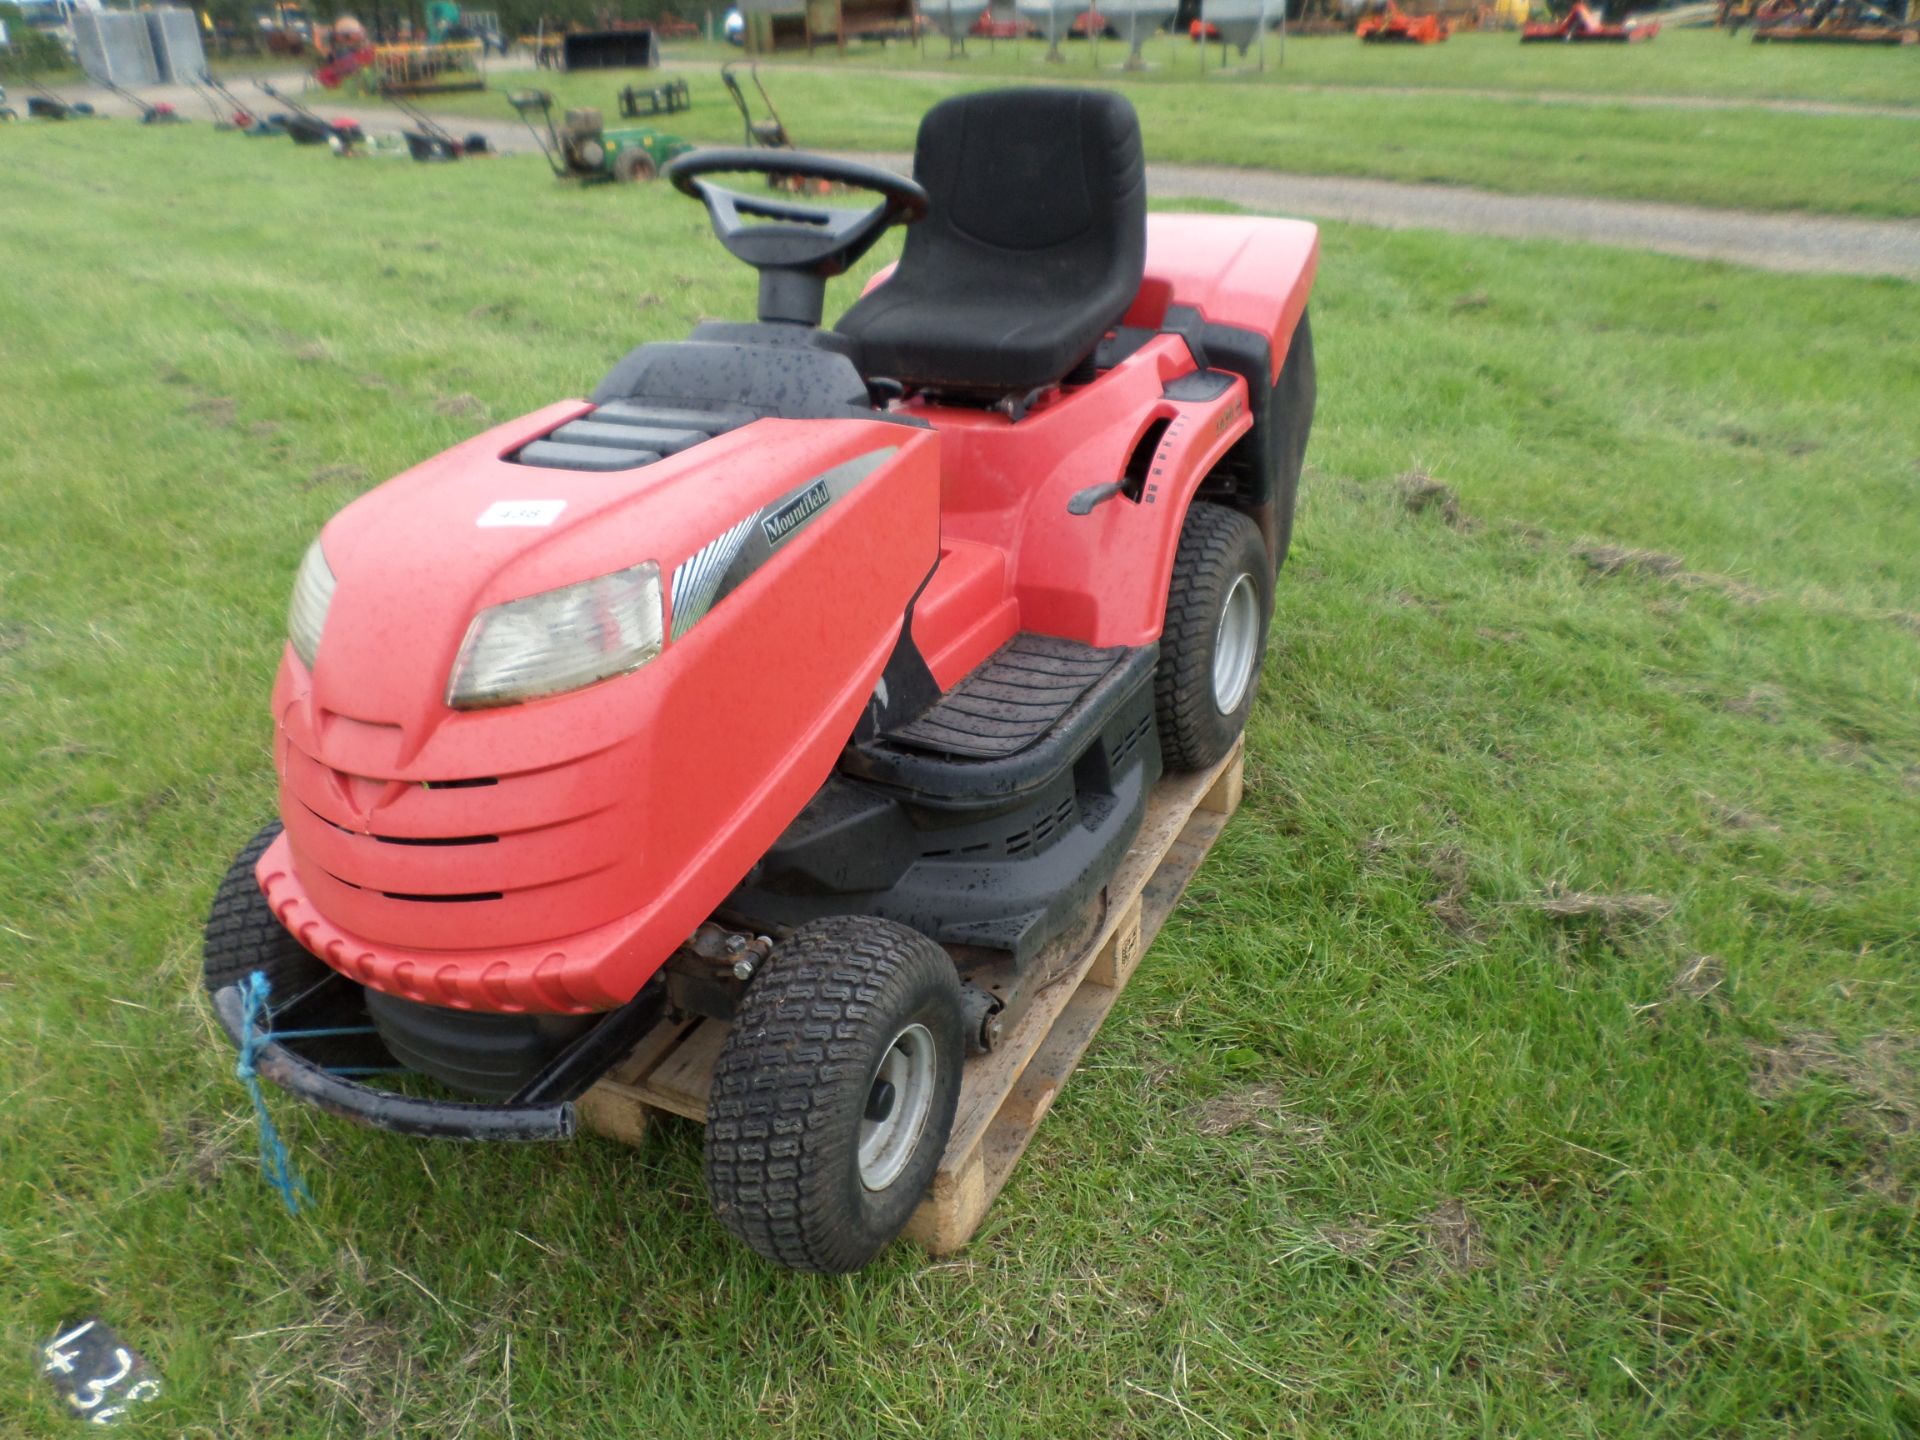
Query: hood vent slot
[[624, 436]]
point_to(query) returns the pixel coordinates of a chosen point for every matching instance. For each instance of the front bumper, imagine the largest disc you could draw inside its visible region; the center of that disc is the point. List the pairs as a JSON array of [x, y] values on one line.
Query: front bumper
[[543, 1110]]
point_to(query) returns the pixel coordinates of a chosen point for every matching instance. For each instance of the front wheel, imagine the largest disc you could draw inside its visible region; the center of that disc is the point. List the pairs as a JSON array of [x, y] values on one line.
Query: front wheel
[[633, 167], [834, 1093], [1218, 605], [243, 935]]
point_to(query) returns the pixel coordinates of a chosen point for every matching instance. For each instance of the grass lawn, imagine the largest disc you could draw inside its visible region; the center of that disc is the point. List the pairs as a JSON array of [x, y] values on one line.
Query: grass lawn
[[1677, 62], [1753, 159], [1537, 1054]]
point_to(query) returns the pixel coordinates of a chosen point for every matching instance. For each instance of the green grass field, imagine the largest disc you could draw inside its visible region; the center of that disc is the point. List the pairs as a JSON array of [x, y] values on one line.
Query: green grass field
[[1745, 158], [1539, 1052], [1679, 62]]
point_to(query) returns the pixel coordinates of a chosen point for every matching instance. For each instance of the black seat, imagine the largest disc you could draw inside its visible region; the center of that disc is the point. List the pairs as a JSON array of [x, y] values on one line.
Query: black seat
[[1032, 250]]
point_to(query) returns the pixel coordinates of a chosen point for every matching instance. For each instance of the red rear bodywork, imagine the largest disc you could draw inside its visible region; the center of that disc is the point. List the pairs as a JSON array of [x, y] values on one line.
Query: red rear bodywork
[[550, 856]]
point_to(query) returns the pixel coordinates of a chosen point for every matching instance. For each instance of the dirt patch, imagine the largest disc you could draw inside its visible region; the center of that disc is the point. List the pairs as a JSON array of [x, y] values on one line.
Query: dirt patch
[[1448, 868], [1478, 300], [1616, 917], [1613, 560], [1258, 1108], [336, 475], [358, 1366], [202, 1151], [1852, 754], [1766, 703], [312, 353], [1617, 560], [1253, 1108], [1419, 492], [1453, 1238], [460, 406], [216, 410], [263, 430], [1699, 977], [1883, 1070], [1736, 817], [1351, 1240]]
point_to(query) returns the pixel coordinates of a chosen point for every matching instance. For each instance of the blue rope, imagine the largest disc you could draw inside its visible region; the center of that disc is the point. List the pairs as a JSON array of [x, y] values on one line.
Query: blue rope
[[256, 1022]]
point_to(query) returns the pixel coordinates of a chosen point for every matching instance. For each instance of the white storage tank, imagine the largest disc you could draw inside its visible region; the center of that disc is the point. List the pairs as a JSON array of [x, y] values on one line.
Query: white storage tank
[[1137, 21], [954, 19], [1052, 18], [1239, 21]]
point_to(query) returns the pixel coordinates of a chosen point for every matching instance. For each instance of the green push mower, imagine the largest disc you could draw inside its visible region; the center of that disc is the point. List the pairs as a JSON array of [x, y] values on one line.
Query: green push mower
[[580, 148]]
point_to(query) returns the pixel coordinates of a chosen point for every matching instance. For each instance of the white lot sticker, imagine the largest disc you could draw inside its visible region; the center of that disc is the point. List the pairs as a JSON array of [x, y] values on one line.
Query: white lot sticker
[[533, 513], [98, 1377]]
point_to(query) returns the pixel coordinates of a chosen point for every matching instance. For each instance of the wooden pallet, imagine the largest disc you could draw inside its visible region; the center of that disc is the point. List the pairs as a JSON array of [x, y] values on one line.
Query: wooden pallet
[[1005, 1094]]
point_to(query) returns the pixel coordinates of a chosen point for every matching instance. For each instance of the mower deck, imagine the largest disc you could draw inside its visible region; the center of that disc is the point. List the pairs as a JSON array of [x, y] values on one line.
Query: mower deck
[[1005, 1093]]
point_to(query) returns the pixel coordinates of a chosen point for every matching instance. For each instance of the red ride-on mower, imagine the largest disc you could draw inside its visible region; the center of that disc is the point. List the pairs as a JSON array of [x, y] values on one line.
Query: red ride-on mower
[[812, 680]]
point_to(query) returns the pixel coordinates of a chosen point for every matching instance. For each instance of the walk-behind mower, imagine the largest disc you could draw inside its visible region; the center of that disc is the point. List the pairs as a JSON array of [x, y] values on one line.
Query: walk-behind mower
[[430, 141], [150, 114], [244, 120], [812, 680], [304, 127], [43, 104], [770, 133], [581, 148]]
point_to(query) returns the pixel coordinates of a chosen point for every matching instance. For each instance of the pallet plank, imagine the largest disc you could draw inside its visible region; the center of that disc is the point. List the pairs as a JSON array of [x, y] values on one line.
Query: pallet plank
[[1004, 1095], [679, 1083]]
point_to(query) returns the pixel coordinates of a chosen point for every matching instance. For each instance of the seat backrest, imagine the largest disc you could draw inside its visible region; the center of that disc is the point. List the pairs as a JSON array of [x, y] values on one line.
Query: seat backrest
[[1032, 248], [1032, 170]]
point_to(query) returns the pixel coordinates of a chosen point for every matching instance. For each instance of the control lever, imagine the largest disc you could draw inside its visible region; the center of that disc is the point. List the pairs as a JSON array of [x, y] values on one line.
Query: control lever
[[1083, 501]]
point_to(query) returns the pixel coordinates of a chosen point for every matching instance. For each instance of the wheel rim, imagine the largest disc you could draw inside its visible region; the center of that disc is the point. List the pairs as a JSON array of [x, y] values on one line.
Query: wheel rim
[[1235, 644], [887, 1142]]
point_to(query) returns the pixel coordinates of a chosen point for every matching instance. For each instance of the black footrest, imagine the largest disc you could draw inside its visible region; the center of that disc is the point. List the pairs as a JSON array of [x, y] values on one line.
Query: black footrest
[[1031, 709], [1021, 692]]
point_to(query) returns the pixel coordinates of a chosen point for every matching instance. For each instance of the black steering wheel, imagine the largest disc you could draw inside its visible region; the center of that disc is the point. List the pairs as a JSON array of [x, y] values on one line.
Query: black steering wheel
[[801, 246]]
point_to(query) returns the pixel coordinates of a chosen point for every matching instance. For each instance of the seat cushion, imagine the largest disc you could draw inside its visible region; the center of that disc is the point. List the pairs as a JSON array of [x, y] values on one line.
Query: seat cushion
[[1032, 249]]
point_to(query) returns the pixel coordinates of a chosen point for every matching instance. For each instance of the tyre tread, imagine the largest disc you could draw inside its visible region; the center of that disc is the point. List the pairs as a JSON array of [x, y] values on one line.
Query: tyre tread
[[1213, 542], [776, 1143]]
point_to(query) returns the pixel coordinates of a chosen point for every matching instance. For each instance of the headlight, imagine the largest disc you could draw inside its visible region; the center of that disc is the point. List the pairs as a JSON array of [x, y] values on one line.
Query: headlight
[[559, 641], [312, 594]]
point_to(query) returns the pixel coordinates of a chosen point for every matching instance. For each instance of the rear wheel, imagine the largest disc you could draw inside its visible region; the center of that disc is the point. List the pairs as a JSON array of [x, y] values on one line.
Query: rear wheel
[[243, 935], [834, 1093], [633, 167], [1218, 605]]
